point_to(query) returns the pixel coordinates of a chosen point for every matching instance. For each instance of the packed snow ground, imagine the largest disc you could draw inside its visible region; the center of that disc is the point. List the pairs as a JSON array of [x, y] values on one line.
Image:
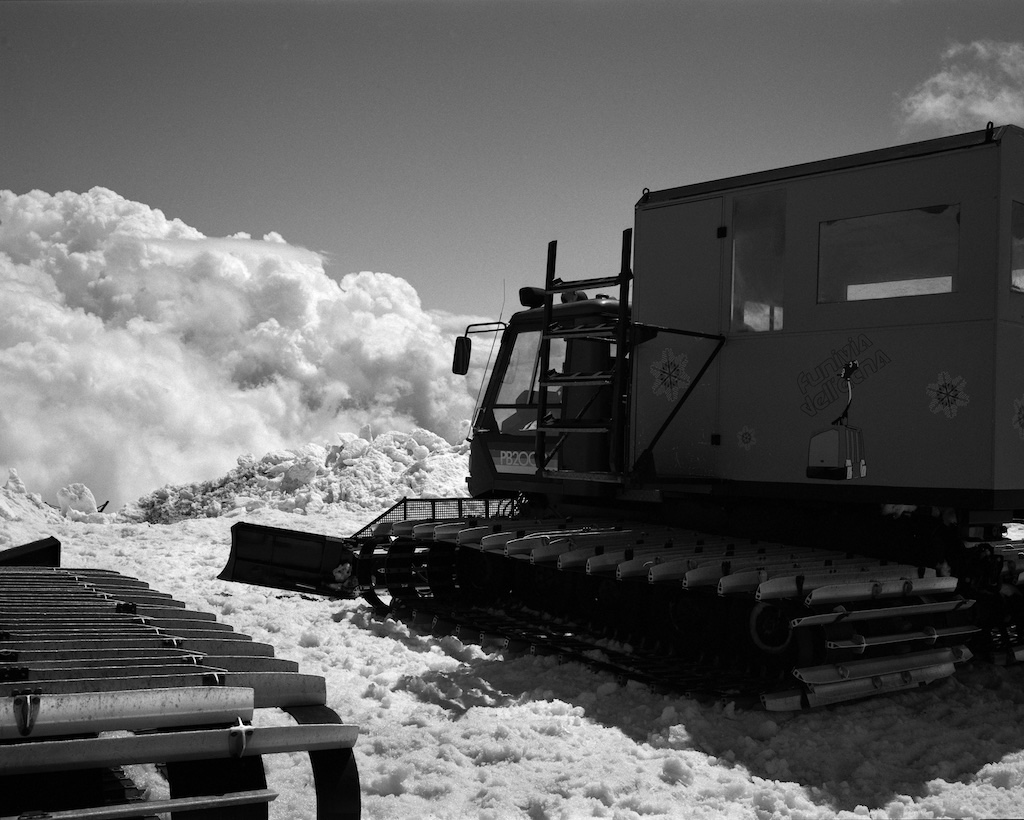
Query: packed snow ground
[[448, 730]]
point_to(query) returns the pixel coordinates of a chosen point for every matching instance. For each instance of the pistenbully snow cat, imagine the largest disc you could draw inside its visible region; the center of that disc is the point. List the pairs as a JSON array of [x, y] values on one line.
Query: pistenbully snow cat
[[776, 453]]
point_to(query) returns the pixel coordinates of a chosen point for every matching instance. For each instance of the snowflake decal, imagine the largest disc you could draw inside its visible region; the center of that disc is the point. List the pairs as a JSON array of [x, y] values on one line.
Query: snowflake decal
[[947, 394], [1018, 416], [670, 376], [745, 438]]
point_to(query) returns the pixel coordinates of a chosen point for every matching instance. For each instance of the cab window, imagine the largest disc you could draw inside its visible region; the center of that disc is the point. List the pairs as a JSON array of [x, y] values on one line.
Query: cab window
[[1017, 247], [889, 255], [758, 260]]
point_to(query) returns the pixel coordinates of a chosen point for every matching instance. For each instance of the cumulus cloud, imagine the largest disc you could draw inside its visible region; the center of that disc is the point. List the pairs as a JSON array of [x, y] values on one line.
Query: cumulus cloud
[[979, 82], [134, 351]]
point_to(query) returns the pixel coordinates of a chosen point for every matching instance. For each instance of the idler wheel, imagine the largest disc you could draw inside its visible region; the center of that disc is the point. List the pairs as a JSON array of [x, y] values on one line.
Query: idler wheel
[[769, 628]]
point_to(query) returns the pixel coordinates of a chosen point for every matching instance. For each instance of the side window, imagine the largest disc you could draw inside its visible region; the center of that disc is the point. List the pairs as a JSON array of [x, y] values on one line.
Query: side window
[[1017, 247], [884, 256], [758, 256]]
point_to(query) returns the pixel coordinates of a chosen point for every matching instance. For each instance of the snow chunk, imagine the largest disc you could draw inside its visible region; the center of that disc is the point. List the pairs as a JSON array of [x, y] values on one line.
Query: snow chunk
[[391, 783], [677, 770], [76, 497], [14, 483]]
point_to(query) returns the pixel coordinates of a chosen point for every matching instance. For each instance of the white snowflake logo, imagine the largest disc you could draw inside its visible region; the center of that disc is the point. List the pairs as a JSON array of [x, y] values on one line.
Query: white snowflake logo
[[670, 374], [1018, 416], [947, 394], [745, 438]]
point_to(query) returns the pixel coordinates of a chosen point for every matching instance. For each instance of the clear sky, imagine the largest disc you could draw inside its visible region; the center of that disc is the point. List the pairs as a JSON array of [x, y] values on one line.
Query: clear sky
[[446, 141]]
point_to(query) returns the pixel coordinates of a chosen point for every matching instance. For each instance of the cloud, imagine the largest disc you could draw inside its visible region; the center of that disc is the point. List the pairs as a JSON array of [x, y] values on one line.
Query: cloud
[[134, 351], [979, 82]]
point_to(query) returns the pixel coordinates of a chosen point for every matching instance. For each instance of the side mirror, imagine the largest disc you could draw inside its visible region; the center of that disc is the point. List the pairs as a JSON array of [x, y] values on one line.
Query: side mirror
[[460, 362]]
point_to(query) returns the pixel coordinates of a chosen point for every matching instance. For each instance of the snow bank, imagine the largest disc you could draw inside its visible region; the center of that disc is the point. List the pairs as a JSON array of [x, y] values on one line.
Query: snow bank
[[24, 517], [361, 471]]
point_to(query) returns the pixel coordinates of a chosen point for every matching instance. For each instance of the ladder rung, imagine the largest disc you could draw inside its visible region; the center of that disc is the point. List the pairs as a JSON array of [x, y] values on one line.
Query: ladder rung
[[606, 331], [596, 426], [579, 379], [560, 286]]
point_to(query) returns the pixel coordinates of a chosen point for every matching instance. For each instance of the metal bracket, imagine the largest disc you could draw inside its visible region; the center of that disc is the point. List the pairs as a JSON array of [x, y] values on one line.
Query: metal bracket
[[26, 710], [238, 738]]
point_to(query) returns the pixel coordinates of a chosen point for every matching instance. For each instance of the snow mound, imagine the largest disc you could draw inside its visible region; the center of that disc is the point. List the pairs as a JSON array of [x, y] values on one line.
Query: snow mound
[[23, 515], [359, 471]]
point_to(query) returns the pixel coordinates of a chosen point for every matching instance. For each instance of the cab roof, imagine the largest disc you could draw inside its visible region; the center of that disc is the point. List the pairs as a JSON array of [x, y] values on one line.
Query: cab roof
[[957, 142]]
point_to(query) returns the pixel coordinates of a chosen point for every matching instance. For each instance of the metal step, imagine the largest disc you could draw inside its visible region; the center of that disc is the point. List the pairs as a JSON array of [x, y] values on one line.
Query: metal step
[[579, 475]]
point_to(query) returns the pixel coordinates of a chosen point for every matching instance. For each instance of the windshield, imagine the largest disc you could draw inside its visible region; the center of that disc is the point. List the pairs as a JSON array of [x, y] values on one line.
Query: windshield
[[515, 407]]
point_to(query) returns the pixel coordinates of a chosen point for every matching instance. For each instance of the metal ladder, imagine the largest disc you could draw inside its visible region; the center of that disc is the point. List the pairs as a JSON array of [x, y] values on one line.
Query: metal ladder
[[617, 332]]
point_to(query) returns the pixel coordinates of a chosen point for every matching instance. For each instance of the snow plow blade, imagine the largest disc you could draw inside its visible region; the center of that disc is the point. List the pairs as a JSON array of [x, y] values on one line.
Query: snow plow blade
[[42, 553], [290, 560]]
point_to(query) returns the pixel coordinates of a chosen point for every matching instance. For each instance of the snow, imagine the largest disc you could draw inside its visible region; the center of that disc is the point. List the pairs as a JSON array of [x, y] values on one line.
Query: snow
[[449, 730]]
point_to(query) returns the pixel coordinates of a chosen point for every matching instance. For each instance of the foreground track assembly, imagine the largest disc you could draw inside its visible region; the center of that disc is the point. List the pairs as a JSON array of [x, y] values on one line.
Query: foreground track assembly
[[698, 612], [98, 671]]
